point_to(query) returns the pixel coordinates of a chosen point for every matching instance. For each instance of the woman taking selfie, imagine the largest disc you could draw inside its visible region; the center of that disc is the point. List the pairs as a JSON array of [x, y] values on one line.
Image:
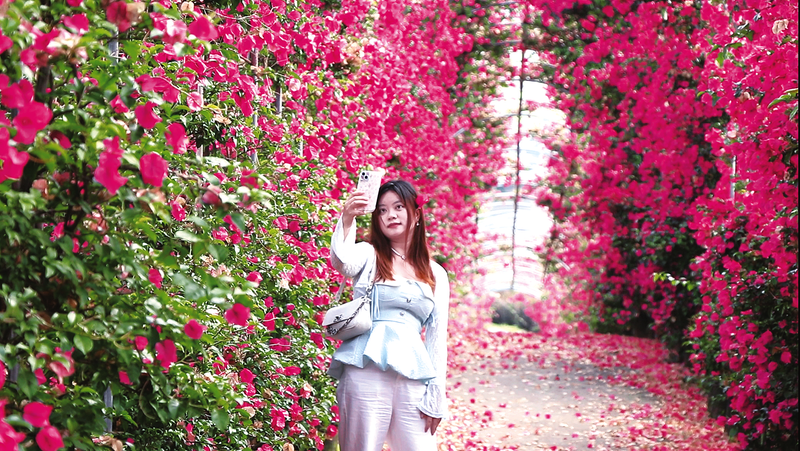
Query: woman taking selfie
[[391, 384]]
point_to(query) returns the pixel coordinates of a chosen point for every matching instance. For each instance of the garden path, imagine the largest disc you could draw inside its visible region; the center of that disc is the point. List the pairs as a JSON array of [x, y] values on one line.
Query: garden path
[[521, 391]]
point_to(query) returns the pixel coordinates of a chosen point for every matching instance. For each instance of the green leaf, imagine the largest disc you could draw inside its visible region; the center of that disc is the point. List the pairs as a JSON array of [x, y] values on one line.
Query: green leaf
[[27, 383], [172, 406], [83, 343], [220, 253], [187, 236], [221, 419]]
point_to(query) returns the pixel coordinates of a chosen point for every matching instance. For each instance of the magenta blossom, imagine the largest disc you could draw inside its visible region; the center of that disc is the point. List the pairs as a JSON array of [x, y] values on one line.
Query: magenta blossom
[[194, 330], [153, 168], [238, 315], [145, 115]]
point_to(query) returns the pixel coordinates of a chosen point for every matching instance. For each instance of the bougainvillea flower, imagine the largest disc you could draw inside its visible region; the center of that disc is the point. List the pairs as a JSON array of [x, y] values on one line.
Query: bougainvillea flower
[[278, 418], [280, 344], [166, 353], [154, 276], [18, 95], [238, 315], [140, 342], [79, 23], [291, 370], [193, 329], [60, 368], [118, 105], [49, 439], [202, 28], [178, 212], [117, 13], [153, 168], [246, 376], [31, 118], [107, 171], [255, 277], [9, 437], [174, 31], [61, 139], [13, 162], [145, 115], [123, 378], [194, 101], [176, 138], [5, 43], [37, 414]]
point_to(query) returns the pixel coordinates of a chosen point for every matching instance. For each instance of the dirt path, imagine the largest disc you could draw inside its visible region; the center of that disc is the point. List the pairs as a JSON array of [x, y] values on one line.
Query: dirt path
[[533, 406], [521, 391]]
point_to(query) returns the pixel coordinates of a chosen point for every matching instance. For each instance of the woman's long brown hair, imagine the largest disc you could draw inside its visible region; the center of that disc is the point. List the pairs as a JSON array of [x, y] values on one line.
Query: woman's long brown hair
[[418, 255]]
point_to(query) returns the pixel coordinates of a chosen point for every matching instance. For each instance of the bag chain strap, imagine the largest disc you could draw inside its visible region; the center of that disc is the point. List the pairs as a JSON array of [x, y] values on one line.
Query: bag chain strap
[[367, 297]]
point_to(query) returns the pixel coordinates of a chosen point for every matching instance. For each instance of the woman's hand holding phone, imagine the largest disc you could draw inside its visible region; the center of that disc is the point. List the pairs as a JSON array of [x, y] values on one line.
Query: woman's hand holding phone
[[353, 206]]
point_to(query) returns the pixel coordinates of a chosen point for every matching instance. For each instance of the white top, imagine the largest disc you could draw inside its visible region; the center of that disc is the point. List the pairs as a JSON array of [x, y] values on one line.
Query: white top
[[357, 261]]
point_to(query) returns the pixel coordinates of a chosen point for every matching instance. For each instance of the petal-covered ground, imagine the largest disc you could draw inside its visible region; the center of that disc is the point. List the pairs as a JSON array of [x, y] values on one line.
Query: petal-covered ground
[[577, 390]]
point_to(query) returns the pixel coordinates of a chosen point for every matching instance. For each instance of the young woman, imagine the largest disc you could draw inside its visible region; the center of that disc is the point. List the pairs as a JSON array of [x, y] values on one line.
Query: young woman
[[391, 384]]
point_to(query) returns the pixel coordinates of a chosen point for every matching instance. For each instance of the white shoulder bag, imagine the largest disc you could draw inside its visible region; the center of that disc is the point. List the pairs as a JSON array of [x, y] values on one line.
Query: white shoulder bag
[[351, 319]]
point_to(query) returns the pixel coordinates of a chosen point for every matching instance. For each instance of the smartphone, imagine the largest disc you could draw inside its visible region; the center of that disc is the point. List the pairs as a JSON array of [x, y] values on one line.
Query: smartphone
[[369, 182]]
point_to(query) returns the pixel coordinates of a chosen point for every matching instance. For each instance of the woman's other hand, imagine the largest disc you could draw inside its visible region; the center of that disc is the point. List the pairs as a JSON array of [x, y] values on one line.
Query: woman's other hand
[[431, 423]]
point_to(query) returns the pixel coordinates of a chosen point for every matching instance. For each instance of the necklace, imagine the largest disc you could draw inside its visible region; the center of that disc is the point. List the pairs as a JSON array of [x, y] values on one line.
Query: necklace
[[402, 257]]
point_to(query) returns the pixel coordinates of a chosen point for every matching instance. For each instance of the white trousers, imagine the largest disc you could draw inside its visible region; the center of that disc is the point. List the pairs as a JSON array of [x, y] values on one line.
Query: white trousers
[[377, 406]]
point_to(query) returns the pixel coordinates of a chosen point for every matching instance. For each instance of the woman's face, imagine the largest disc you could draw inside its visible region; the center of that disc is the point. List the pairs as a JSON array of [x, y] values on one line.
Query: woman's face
[[393, 216]]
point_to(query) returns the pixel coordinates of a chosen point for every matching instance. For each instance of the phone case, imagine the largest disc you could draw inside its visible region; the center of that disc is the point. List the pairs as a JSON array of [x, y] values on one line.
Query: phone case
[[369, 182]]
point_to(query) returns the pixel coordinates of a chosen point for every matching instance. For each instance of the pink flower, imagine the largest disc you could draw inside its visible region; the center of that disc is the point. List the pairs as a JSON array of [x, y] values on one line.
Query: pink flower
[[37, 414], [63, 370], [178, 213], [254, 277], [17, 95], [61, 139], [13, 162], [123, 378], [31, 118], [278, 418], [2, 377], [238, 315], [193, 329], [153, 168], [203, 29], [118, 105], [79, 23], [786, 357], [176, 138], [145, 115], [246, 376], [166, 353], [140, 342], [117, 13], [74, 3], [331, 431], [291, 370], [280, 344], [154, 275], [5, 43], [49, 439], [194, 101], [174, 31], [9, 438], [107, 171]]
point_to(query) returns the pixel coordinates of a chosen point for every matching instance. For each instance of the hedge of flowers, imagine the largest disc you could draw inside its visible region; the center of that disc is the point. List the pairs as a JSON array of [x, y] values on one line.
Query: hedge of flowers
[[169, 173], [675, 190]]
